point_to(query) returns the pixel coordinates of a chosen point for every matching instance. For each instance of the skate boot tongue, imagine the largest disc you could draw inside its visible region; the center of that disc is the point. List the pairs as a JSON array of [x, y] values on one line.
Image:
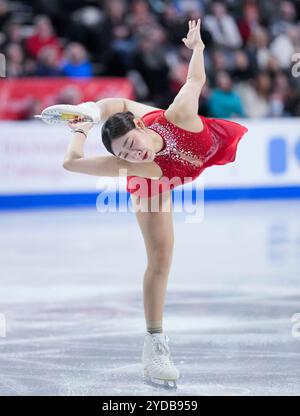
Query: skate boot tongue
[[159, 336], [162, 338], [160, 343]]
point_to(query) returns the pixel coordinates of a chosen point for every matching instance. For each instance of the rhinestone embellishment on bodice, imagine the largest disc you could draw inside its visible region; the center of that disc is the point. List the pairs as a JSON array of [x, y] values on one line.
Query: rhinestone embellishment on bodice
[[173, 147]]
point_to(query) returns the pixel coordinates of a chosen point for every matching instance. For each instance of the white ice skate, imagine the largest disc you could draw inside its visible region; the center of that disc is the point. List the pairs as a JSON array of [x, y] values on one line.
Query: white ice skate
[[159, 369], [63, 113]]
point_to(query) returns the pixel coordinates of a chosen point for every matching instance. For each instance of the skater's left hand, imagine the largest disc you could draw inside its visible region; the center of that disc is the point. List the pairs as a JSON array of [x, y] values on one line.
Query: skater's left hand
[[79, 124], [193, 38]]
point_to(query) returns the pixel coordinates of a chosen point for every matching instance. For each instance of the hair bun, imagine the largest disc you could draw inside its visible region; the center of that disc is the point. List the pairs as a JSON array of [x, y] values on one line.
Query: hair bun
[[129, 113]]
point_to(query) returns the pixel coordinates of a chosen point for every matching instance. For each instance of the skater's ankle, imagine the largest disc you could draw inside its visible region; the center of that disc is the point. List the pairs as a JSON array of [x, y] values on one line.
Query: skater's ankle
[[154, 327], [155, 332]]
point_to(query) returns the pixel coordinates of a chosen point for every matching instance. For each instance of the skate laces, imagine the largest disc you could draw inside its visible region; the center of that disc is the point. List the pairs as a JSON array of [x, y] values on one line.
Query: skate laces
[[161, 346], [157, 357]]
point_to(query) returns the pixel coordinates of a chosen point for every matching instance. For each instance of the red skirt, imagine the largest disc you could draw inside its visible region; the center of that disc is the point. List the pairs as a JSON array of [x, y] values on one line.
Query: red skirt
[[228, 133]]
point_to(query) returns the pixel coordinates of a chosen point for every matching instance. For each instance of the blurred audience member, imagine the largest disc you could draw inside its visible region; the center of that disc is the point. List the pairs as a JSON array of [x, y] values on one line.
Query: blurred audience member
[[285, 45], [256, 97], [77, 63], [141, 19], [218, 62], [242, 69], [258, 48], [223, 27], [48, 63], [120, 38], [14, 60], [5, 13], [224, 102], [151, 61], [12, 34], [249, 22], [43, 36], [177, 77], [287, 17]]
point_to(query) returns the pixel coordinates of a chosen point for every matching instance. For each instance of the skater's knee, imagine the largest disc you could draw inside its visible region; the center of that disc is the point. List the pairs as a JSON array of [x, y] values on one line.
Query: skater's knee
[[160, 259]]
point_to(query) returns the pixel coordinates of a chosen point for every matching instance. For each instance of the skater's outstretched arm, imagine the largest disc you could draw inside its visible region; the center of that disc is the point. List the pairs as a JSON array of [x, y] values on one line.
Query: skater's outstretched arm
[[186, 103], [98, 165]]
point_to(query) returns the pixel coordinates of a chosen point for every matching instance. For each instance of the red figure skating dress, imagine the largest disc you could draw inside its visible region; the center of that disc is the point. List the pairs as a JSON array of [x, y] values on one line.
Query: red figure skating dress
[[185, 154]]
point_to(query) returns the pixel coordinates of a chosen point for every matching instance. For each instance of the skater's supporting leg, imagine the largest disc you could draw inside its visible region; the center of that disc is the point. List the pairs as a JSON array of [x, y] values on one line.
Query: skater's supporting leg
[[157, 230]]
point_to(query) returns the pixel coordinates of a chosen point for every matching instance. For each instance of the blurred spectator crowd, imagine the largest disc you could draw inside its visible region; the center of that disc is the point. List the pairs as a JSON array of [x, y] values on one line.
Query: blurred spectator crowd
[[251, 48]]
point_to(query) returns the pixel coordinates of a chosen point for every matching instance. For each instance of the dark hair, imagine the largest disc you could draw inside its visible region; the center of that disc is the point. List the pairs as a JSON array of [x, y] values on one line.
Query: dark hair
[[116, 126]]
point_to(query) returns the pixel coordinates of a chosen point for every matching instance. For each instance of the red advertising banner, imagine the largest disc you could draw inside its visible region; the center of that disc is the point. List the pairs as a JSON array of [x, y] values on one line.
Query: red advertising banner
[[21, 98]]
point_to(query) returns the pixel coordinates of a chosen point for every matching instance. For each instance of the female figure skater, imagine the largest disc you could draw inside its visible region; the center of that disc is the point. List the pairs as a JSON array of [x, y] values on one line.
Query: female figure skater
[[147, 142]]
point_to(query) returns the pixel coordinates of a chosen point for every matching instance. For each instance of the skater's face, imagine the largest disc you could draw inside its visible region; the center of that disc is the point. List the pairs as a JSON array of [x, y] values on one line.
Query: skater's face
[[136, 145]]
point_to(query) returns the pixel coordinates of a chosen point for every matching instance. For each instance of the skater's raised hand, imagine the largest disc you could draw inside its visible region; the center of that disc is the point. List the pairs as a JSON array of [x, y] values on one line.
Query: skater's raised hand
[[193, 38], [77, 123]]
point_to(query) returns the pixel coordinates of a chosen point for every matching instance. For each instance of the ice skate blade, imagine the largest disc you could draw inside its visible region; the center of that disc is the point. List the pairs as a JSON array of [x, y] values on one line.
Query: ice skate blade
[[63, 117], [161, 384]]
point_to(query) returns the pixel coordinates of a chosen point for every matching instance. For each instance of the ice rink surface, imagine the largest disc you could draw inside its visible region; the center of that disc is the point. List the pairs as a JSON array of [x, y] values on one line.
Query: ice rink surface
[[71, 299]]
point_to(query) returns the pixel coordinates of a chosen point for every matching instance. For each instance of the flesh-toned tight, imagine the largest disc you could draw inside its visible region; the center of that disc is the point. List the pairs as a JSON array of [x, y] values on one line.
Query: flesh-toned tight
[[158, 234]]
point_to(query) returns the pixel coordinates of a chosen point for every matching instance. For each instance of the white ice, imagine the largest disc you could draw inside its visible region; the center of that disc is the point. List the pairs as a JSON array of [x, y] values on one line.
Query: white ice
[[71, 295]]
